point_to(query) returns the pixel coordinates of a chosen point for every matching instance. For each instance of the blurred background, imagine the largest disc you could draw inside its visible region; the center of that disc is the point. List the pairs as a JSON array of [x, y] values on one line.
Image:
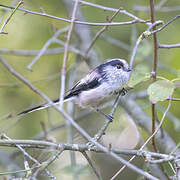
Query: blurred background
[[28, 33]]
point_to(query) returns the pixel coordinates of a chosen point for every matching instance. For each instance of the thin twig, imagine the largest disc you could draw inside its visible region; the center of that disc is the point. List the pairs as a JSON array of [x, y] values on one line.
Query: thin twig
[[63, 70], [165, 25], [71, 109], [22, 52], [101, 132], [26, 154], [98, 34], [76, 21], [75, 125], [38, 144], [46, 45], [10, 16], [53, 158], [112, 9], [148, 140], [168, 46], [141, 37]]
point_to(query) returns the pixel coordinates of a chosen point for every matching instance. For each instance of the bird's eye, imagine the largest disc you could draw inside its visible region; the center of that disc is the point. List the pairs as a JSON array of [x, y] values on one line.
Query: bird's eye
[[118, 66]]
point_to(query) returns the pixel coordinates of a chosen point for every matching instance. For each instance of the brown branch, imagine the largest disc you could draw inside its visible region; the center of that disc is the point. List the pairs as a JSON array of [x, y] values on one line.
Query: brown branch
[[155, 59]]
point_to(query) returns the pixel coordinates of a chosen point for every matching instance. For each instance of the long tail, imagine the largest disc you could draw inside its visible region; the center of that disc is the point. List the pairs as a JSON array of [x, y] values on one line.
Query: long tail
[[42, 106]]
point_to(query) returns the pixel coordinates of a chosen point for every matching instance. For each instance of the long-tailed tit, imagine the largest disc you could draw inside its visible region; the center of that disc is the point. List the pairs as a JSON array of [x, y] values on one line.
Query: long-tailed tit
[[97, 86]]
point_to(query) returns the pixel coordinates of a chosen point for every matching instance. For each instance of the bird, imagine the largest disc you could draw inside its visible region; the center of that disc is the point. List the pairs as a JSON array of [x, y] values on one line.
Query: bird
[[97, 87]]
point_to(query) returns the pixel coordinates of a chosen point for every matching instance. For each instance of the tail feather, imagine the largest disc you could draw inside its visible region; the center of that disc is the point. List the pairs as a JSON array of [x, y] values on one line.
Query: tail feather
[[43, 106], [37, 108]]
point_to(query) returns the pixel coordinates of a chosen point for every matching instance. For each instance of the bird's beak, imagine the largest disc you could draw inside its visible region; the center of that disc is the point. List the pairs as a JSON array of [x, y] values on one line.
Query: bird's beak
[[129, 69]]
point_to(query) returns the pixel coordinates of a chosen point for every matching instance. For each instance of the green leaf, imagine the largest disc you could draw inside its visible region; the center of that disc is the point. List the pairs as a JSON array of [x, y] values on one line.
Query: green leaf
[[140, 73], [160, 90]]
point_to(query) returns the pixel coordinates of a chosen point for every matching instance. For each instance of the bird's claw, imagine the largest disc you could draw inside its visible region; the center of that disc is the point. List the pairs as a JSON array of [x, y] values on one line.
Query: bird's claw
[[108, 116], [123, 92]]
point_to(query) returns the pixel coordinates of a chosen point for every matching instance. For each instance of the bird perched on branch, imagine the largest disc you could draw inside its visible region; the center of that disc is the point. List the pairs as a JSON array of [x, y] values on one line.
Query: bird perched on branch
[[97, 86]]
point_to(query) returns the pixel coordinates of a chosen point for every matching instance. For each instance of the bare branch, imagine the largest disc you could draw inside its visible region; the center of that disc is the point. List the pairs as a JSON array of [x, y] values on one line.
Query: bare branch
[[8, 19], [46, 45], [63, 70], [169, 46], [26, 154], [75, 125], [79, 22], [100, 32], [122, 11], [37, 144]]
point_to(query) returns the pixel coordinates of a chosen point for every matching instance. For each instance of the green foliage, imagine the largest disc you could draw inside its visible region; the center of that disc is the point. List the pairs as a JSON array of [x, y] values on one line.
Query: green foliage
[[160, 90], [140, 73]]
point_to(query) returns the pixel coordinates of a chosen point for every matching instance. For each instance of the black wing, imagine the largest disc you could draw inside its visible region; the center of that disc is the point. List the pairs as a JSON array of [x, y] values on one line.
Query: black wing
[[91, 81], [82, 87]]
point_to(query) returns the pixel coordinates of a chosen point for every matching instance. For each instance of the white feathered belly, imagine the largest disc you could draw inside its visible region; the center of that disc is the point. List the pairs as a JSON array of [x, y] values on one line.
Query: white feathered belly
[[95, 97]]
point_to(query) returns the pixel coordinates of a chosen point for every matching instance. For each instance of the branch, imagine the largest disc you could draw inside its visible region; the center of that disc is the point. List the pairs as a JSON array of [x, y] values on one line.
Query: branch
[[26, 154], [101, 31], [79, 147], [168, 46], [23, 52], [63, 70], [122, 11], [46, 45], [148, 140], [165, 143], [8, 19], [141, 37], [76, 21], [74, 124], [83, 41]]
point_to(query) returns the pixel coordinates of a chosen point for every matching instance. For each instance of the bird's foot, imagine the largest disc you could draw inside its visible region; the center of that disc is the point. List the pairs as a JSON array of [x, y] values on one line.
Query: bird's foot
[[109, 117], [123, 92]]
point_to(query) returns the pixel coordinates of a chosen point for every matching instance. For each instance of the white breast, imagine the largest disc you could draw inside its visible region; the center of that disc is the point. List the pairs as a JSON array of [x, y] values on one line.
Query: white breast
[[94, 97]]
